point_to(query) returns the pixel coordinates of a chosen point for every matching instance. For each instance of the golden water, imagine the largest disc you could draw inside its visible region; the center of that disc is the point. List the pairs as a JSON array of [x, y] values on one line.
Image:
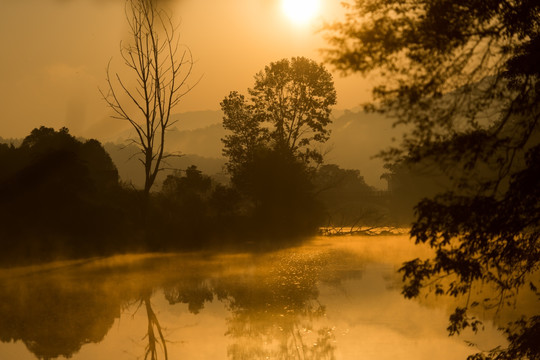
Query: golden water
[[333, 298]]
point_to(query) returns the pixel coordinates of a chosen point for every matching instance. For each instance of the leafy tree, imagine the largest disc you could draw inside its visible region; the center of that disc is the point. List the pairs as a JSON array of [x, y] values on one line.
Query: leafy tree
[[161, 71], [464, 76], [270, 145], [246, 136], [194, 183], [280, 194], [182, 205], [295, 96], [289, 109], [57, 193]]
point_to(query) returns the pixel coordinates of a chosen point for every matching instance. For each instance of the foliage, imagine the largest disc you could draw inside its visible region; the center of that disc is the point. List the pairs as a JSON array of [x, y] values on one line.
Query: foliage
[[289, 109], [193, 183], [181, 214], [280, 194], [270, 146], [246, 136], [498, 238], [54, 187], [448, 68], [295, 97], [347, 199], [464, 76], [61, 197]]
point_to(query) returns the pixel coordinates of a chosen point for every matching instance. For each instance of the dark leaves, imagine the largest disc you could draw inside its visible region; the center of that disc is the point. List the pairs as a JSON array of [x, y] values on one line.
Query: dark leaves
[[459, 321]]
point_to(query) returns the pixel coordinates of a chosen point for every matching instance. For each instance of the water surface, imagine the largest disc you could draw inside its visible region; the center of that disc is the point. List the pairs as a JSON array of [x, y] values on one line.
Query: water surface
[[333, 298]]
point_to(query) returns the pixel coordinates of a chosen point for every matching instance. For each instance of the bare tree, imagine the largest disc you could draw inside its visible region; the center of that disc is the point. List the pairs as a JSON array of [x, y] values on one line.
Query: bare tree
[[151, 352], [161, 68]]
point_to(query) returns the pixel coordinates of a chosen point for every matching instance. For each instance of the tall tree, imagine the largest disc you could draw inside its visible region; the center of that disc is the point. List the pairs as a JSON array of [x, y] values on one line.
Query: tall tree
[[160, 68], [246, 134], [271, 143], [289, 109], [464, 76]]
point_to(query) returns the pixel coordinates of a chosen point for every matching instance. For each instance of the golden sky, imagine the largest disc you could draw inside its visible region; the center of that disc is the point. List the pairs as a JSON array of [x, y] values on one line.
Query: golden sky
[[55, 52]]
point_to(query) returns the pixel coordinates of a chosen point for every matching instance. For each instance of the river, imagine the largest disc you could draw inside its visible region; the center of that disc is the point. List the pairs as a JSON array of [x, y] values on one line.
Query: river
[[331, 298]]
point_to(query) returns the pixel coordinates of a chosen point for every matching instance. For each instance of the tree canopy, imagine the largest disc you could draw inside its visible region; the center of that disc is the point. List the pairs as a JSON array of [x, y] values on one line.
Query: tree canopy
[[464, 76], [450, 68], [289, 109], [270, 144], [57, 193]]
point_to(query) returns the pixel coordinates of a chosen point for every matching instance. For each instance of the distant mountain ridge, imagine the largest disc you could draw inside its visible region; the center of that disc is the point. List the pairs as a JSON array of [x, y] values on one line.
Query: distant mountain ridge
[[130, 169], [192, 120], [204, 141], [356, 137]]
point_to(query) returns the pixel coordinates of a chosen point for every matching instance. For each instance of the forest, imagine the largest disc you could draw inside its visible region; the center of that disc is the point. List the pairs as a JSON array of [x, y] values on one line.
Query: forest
[[62, 197]]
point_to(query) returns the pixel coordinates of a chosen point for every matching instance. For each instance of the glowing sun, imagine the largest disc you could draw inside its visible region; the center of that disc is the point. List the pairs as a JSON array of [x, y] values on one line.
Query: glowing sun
[[300, 11]]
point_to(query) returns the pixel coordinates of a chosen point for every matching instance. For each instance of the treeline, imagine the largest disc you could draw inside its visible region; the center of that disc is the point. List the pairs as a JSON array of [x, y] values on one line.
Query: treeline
[[62, 197]]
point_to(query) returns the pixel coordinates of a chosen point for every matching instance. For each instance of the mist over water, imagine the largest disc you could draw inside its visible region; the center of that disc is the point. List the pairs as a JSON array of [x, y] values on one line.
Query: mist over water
[[323, 300]]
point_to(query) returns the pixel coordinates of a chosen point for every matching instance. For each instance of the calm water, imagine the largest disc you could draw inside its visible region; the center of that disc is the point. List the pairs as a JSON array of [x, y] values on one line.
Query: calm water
[[335, 298]]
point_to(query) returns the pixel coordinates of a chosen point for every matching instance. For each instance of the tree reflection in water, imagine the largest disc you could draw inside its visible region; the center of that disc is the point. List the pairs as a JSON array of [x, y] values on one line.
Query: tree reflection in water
[[153, 323], [273, 305], [53, 320], [274, 310], [272, 301]]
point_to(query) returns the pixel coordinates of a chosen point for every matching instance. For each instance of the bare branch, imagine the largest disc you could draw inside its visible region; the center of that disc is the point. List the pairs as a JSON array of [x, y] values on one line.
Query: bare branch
[[161, 79]]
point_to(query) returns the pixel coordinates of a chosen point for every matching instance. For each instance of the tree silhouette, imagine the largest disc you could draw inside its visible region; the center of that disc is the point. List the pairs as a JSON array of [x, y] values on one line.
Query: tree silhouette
[[247, 136], [280, 192], [183, 203], [464, 75], [58, 198], [271, 143], [289, 109], [161, 69]]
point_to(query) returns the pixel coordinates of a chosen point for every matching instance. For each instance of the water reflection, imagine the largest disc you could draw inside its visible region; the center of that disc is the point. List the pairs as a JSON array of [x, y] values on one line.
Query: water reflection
[[155, 335], [52, 320], [272, 312], [265, 306]]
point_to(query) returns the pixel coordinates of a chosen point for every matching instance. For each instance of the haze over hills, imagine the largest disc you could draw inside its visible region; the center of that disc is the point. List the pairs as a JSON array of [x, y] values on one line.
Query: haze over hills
[[355, 139], [130, 169]]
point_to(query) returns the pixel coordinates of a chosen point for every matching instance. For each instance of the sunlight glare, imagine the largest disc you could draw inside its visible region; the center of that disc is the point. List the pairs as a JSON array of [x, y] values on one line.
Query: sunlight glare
[[300, 11]]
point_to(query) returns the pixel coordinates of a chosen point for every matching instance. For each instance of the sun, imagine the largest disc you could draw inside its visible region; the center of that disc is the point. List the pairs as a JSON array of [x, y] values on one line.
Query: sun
[[300, 11]]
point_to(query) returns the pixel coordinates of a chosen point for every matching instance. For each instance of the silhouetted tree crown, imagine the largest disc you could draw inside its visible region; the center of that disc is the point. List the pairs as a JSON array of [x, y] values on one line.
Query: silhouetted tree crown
[[289, 108], [451, 69], [464, 76], [271, 143], [56, 192]]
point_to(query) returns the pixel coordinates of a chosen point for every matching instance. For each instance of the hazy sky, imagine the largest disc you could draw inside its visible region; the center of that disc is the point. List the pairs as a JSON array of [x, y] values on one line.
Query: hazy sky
[[55, 52]]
